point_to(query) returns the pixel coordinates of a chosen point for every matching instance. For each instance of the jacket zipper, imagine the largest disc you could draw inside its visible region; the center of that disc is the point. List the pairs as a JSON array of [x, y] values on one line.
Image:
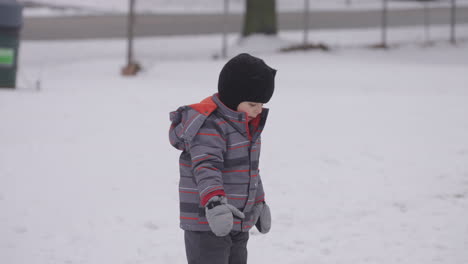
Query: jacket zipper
[[249, 151]]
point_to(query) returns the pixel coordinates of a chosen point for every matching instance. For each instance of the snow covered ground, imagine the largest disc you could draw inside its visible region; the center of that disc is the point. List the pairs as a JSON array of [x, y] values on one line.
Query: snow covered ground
[[365, 156], [86, 7]]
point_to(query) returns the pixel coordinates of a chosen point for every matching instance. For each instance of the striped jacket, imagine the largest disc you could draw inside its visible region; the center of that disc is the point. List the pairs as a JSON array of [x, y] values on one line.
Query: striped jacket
[[220, 156]]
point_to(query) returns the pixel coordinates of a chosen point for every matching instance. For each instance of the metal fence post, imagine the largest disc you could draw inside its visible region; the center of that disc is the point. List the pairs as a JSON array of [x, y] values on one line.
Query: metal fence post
[[427, 18], [132, 67], [225, 29], [384, 23], [453, 22], [306, 21], [131, 21]]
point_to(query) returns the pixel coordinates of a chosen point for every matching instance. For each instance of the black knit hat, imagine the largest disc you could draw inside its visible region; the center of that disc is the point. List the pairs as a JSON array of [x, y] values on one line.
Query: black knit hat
[[245, 78]]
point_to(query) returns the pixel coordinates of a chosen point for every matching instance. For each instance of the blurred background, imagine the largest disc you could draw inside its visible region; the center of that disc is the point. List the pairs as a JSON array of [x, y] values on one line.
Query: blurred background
[[365, 153]]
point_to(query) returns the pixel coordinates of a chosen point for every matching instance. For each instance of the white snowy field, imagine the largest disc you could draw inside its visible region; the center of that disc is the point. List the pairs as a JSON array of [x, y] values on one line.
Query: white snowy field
[[365, 154], [84, 7]]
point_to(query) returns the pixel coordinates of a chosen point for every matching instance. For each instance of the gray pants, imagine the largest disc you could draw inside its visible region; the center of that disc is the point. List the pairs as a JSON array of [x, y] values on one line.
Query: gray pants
[[207, 248]]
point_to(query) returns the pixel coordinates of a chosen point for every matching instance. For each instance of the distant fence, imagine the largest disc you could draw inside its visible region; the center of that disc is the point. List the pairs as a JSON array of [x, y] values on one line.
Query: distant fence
[[310, 22], [382, 8]]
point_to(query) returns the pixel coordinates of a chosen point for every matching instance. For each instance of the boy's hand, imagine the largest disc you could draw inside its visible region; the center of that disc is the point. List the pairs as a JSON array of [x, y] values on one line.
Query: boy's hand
[[262, 213], [220, 215]]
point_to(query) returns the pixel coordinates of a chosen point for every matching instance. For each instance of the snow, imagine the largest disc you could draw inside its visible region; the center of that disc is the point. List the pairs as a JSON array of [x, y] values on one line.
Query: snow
[[365, 155], [86, 7]]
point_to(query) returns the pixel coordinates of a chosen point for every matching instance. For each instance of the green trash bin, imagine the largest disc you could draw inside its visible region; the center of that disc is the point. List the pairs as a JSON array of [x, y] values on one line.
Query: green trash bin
[[11, 20]]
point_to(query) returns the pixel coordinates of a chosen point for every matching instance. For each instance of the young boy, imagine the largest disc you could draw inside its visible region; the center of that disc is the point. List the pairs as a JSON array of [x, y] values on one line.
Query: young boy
[[221, 192]]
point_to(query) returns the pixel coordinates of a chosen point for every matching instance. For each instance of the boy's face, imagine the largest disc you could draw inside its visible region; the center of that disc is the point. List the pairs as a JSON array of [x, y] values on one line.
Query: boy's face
[[251, 108]]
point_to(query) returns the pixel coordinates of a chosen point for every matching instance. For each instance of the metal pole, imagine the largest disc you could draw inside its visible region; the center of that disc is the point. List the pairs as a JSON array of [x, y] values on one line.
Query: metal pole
[[384, 23], [426, 22], [306, 21], [453, 22], [132, 67], [225, 29], [130, 32]]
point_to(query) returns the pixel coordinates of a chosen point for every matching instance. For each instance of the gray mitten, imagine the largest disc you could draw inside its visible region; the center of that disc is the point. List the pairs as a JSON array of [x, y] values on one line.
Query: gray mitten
[[263, 223], [220, 215]]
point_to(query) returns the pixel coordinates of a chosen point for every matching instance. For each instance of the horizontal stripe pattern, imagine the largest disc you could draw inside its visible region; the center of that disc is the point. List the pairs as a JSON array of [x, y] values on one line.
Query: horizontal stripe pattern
[[218, 154]]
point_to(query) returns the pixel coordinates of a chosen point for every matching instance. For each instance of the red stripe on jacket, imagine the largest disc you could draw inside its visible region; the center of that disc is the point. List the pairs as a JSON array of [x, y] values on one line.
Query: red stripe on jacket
[[204, 158], [213, 135], [210, 195], [243, 146], [215, 169]]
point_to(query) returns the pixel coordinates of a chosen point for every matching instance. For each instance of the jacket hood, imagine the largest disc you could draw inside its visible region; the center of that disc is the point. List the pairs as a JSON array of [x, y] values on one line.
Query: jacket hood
[[187, 120]]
